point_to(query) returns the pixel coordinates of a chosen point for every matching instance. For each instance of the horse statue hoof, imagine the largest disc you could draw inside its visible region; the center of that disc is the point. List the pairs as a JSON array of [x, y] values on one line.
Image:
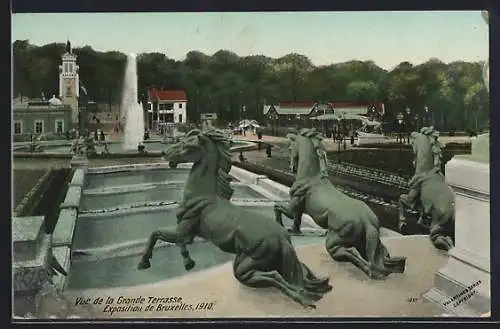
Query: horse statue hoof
[[443, 243], [396, 264], [143, 264], [189, 264], [294, 231], [377, 275]]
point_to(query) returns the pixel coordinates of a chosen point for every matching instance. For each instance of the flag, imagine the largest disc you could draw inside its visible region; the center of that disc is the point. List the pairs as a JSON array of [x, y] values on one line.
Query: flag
[[382, 109]]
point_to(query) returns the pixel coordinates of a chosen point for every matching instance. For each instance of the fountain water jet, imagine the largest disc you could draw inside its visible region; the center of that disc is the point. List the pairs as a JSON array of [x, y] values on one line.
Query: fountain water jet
[[132, 111]]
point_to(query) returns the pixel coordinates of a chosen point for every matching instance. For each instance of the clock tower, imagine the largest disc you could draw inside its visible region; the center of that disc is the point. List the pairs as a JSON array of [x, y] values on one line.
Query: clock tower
[[69, 89]]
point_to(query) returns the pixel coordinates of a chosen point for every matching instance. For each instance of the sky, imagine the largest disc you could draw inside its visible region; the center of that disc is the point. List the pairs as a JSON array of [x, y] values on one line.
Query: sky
[[387, 38]]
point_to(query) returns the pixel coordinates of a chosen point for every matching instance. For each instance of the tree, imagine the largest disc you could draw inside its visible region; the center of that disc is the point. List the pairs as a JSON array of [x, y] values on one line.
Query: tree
[[362, 90], [476, 106], [223, 82], [405, 89]]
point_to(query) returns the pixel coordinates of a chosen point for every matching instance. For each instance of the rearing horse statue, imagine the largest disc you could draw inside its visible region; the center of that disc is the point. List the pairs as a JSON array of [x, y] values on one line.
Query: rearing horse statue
[[353, 228], [265, 256], [429, 194]]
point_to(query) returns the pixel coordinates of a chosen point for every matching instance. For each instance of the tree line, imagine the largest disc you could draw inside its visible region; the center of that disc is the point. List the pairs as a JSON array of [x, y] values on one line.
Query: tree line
[[224, 82]]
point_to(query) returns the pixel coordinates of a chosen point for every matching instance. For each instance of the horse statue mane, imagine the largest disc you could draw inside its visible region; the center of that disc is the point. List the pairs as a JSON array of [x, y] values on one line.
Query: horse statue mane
[[316, 138], [436, 147], [223, 145]]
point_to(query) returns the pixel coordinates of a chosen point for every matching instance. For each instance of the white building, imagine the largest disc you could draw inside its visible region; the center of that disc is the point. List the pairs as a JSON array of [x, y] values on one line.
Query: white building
[[166, 106]]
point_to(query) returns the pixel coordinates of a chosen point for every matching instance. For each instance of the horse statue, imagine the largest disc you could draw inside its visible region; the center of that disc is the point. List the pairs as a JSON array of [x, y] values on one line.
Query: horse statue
[[353, 230], [428, 192], [265, 256]]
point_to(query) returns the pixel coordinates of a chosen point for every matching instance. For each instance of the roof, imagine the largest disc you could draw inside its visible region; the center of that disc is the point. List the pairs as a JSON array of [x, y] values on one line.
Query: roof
[[291, 108], [325, 117], [55, 101], [340, 116], [168, 95], [351, 109], [357, 107], [24, 107], [306, 107], [353, 103]]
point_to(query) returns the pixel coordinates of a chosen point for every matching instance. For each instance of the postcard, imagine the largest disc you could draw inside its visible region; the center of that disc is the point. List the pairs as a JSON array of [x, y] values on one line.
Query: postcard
[[251, 164]]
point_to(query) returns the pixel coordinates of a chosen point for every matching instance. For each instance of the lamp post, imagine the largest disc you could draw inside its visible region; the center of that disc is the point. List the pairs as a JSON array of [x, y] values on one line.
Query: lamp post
[[417, 122], [341, 130], [407, 124], [427, 118], [240, 98], [273, 117], [371, 112], [197, 116], [243, 110], [399, 118]]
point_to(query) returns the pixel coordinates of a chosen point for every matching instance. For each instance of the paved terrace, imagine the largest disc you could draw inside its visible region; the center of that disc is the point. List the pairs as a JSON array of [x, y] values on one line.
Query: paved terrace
[[353, 295]]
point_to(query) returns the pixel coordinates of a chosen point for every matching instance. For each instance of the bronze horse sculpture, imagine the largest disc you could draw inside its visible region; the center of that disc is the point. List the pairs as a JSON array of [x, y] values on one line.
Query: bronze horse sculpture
[[353, 229], [428, 192], [264, 254]]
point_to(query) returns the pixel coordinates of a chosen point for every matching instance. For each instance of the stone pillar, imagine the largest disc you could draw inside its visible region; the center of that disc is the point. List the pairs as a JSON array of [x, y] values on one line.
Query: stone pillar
[[31, 248], [463, 286]]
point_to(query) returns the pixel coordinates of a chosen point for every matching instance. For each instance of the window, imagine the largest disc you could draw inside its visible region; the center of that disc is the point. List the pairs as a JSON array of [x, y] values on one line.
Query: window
[[38, 126], [18, 127], [180, 105], [180, 118], [65, 67], [70, 67], [59, 126]]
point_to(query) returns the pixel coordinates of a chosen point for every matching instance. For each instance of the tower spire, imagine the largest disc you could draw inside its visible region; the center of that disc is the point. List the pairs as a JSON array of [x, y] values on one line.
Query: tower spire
[[68, 46]]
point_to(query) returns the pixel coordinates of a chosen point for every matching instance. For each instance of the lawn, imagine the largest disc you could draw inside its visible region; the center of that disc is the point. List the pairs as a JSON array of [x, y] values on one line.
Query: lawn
[[23, 181]]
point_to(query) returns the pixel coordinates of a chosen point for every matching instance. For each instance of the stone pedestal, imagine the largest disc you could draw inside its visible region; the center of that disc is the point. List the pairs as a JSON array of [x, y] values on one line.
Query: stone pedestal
[[30, 266], [462, 287]]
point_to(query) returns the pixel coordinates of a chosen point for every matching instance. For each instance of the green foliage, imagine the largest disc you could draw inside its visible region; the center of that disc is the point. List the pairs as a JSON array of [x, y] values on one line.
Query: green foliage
[[221, 83]]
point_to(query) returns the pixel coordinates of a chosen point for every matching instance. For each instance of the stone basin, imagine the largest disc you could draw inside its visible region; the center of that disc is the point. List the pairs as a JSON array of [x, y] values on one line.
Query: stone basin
[[101, 237], [121, 205]]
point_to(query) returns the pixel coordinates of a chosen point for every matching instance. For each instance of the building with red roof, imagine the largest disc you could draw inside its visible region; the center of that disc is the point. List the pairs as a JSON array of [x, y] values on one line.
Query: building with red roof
[[296, 113], [166, 106]]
